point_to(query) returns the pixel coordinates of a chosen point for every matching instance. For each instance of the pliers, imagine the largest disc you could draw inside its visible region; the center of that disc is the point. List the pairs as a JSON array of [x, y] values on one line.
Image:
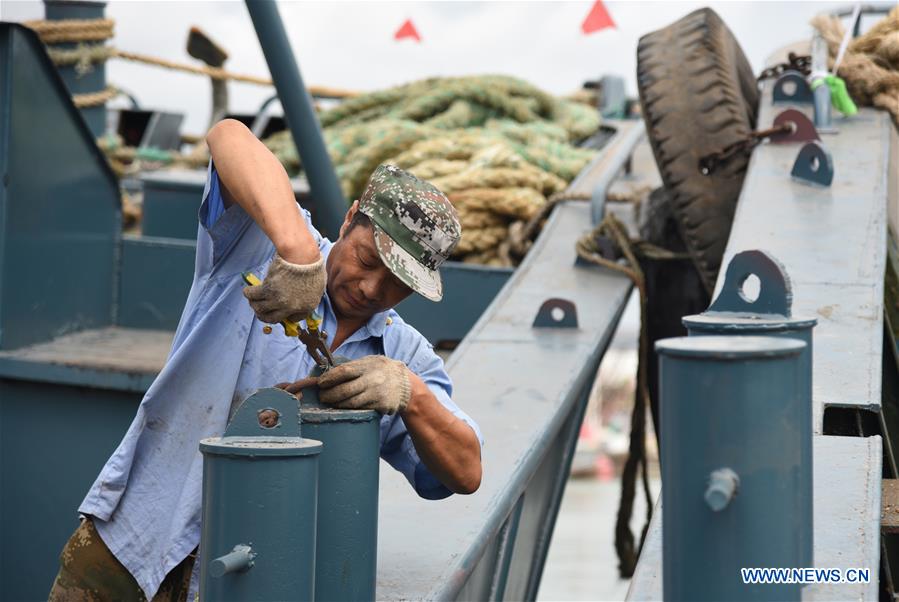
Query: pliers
[[313, 337]]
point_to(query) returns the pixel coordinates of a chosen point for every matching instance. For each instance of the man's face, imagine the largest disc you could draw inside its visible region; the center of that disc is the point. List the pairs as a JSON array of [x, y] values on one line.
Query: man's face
[[359, 284]]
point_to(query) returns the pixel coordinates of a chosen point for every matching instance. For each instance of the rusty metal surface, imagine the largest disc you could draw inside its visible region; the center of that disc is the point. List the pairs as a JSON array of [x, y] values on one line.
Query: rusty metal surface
[[832, 242], [847, 518], [889, 506]]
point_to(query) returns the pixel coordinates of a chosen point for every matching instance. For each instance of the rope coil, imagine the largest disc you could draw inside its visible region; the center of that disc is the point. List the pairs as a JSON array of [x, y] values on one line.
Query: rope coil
[[72, 30], [95, 99]]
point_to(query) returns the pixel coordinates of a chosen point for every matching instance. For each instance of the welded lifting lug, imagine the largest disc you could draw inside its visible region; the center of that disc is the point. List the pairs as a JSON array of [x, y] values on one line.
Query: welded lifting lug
[[266, 413], [556, 313], [801, 128], [792, 87], [813, 165]]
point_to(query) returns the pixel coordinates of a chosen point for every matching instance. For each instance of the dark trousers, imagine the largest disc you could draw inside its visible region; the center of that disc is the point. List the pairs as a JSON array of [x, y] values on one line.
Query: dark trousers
[[88, 572]]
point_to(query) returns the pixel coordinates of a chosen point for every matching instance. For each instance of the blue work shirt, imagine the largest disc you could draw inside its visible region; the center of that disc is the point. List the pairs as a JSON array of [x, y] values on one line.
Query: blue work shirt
[[146, 502]]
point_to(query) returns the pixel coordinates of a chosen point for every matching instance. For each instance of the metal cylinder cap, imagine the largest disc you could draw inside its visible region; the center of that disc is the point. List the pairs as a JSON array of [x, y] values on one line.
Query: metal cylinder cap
[[730, 347], [260, 446], [316, 415], [733, 322]]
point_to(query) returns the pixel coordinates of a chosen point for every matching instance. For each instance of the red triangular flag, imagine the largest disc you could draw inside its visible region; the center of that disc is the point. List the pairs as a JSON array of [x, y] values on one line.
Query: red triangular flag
[[407, 30], [598, 18]]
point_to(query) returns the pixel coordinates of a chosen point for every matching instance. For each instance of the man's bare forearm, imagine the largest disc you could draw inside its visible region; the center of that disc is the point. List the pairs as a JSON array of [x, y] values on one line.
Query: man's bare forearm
[[254, 179], [447, 445]]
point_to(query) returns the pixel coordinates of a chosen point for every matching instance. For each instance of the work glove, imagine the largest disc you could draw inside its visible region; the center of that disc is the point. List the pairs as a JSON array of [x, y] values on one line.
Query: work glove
[[374, 382], [289, 291]]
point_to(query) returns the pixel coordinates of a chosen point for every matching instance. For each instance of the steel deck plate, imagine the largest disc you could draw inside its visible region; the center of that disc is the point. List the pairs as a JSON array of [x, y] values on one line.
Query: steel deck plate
[[108, 358], [832, 242]]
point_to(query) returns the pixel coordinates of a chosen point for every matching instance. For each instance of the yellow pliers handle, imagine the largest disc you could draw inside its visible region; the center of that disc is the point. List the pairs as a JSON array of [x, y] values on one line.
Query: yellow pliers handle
[[291, 329]]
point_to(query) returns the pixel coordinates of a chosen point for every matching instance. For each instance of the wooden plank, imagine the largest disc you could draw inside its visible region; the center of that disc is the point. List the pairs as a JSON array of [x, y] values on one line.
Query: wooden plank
[[889, 506]]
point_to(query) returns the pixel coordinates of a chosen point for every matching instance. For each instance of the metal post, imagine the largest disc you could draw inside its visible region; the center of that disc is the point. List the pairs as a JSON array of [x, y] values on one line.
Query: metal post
[[92, 80], [259, 505], [732, 452], [821, 93], [330, 205], [347, 543], [770, 314]]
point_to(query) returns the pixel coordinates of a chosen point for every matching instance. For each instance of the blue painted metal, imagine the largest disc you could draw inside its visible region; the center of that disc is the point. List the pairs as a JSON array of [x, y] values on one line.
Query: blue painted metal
[[612, 97], [791, 87], [847, 529], [556, 313], [248, 419], [54, 439], [155, 275], [527, 387], [171, 202], [347, 544], [467, 292], [814, 165], [300, 115], [832, 241], [770, 314], [259, 492], [732, 403], [88, 373], [59, 231], [597, 177], [93, 80]]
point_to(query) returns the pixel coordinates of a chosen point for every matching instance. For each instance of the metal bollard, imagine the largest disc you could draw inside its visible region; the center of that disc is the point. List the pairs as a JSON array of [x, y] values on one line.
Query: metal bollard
[[259, 504], [732, 464], [347, 543], [732, 313]]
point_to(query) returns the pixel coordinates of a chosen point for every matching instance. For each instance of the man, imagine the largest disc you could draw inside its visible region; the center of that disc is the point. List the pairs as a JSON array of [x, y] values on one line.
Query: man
[[143, 512]]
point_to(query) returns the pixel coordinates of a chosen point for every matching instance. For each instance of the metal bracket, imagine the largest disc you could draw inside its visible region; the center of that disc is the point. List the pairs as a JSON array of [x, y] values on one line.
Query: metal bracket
[[775, 292], [803, 130], [267, 412], [792, 87], [556, 313], [813, 165]]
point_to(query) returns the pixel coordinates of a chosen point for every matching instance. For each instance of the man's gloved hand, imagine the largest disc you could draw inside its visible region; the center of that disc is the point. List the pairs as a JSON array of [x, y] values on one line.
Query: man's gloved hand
[[289, 291], [374, 382]]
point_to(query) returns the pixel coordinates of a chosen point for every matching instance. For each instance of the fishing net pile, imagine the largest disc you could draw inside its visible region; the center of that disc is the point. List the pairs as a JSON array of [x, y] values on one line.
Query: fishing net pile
[[497, 146], [870, 66]]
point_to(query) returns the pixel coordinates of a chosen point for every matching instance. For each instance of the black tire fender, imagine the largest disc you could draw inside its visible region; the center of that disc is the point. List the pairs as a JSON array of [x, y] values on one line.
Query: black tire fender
[[698, 95]]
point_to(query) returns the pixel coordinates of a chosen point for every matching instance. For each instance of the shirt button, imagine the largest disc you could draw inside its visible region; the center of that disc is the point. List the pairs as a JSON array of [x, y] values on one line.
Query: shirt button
[[389, 321]]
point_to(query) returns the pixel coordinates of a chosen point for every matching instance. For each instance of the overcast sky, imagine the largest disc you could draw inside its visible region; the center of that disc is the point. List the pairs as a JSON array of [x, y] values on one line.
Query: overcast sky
[[351, 45]]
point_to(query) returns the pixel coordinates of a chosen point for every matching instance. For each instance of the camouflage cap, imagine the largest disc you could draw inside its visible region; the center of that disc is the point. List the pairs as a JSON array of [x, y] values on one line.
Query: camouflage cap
[[416, 227]]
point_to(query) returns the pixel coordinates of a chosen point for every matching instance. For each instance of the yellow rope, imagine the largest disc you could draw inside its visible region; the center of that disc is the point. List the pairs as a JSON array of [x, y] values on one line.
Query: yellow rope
[[72, 30], [83, 56], [213, 72], [95, 99]]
